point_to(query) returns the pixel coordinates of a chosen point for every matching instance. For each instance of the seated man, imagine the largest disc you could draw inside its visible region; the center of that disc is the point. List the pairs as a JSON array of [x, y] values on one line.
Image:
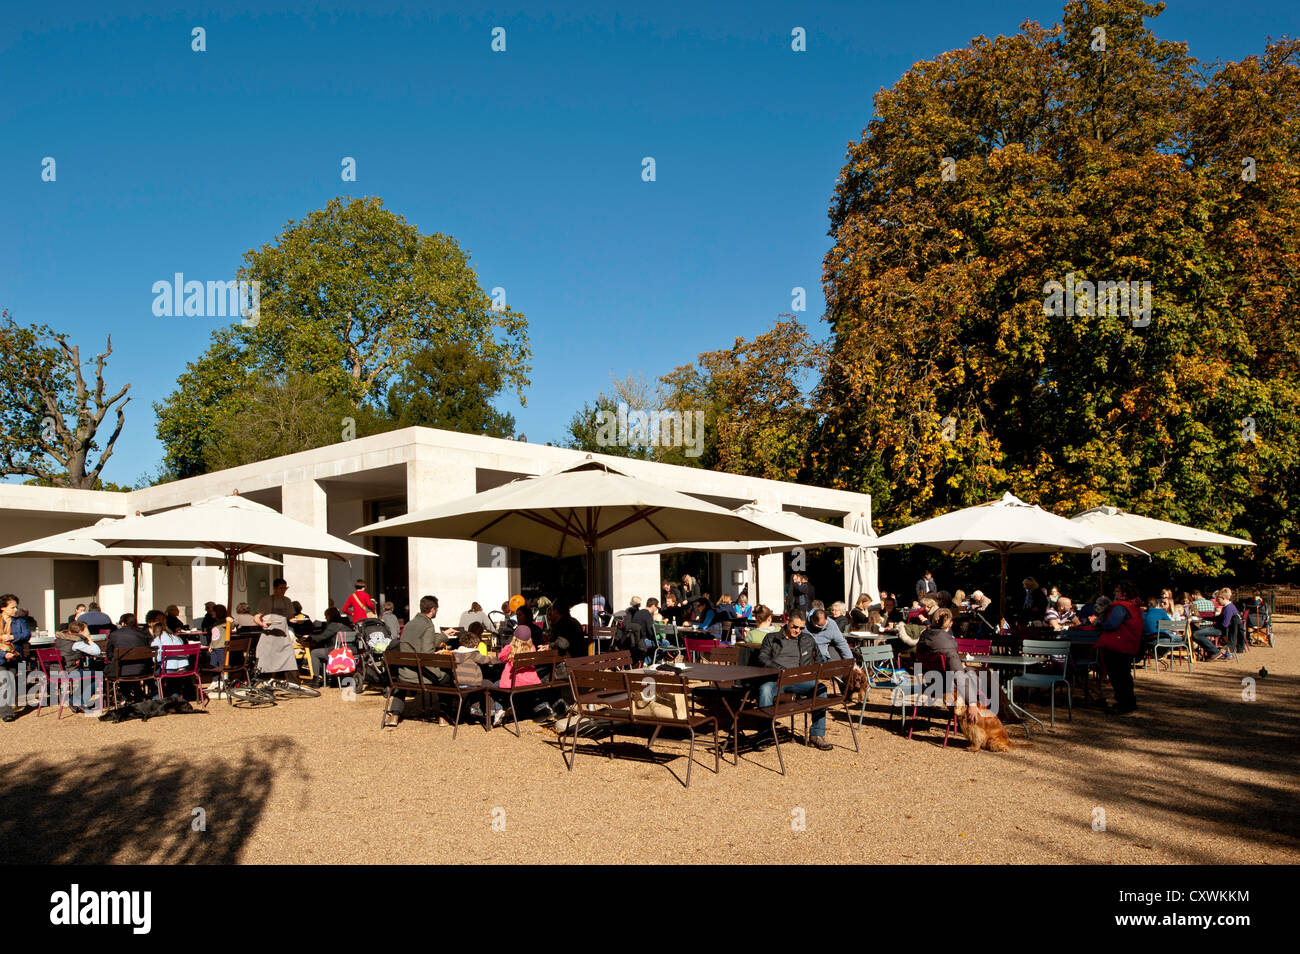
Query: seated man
[[1221, 626], [96, 620], [830, 641], [788, 648], [419, 636], [127, 636], [1062, 615]]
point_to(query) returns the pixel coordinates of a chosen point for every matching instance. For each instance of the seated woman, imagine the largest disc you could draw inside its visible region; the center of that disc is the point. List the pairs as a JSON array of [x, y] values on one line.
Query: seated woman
[[763, 625], [860, 615], [243, 616], [938, 640], [217, 641], [1221, 625], [174, 621], [156, 622], [322, 643]]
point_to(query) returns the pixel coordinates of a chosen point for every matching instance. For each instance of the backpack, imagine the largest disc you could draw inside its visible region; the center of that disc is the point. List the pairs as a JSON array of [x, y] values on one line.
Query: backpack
[[622, 634]]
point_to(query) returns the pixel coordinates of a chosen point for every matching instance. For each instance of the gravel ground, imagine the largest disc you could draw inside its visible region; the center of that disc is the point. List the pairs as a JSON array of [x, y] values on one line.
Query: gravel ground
[[1197, 776]]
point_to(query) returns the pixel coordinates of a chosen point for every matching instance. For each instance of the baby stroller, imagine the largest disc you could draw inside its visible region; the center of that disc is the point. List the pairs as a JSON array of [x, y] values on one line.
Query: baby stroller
[[373, 639]]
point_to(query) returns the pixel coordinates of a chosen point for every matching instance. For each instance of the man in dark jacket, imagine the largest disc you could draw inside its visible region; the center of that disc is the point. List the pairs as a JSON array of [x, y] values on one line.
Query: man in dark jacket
[[567, 635], [128, 636], [791, 647]]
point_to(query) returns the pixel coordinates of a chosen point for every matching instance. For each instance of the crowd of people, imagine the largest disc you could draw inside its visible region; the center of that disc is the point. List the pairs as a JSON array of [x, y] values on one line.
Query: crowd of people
[[491, 650]]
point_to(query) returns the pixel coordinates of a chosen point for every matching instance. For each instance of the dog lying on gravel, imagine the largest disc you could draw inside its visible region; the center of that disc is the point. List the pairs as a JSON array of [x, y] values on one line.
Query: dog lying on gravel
[[148, 709]]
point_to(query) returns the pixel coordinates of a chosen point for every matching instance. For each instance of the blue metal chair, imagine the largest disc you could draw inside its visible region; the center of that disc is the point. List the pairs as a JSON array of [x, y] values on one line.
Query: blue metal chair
[[1054, 651], [1172, 637]]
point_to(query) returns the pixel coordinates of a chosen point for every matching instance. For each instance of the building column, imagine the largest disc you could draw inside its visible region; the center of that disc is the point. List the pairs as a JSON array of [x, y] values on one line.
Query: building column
[[447, 569], [636, 575], [308, 577], [207, 585], [771, 582], [115, 588]]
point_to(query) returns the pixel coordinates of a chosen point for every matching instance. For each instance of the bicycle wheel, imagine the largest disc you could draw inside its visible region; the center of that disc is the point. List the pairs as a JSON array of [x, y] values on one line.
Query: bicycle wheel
[[245, 696], [291, 690]]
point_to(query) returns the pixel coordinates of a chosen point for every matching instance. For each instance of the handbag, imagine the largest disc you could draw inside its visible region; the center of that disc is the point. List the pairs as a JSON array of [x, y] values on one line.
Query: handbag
[[340, 662]]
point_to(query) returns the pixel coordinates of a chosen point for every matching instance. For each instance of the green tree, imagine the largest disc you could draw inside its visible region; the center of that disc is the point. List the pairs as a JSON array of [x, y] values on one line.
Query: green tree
[[350, 296], [274, 416], [51, 419], [451, 387], [991, 172]]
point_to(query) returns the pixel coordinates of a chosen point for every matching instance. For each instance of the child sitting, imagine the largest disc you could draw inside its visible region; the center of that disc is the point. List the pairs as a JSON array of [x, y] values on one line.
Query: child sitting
[[469, 656]]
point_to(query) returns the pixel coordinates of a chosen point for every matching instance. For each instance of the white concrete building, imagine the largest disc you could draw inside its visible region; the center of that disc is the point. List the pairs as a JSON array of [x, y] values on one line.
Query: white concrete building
[[347, 485]]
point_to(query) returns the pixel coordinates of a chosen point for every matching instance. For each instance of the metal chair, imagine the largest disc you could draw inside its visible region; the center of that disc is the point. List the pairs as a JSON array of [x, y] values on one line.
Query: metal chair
[[1172, 637], [1052, 650], [878, 663]]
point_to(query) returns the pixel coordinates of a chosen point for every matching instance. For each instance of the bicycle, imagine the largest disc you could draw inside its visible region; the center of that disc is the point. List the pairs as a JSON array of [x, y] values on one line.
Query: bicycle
[[267, 692]]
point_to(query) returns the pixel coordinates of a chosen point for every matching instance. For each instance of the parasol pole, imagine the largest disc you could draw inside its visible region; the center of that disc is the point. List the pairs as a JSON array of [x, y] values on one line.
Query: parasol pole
[[135, 586], [1002, 598], [589, 546]]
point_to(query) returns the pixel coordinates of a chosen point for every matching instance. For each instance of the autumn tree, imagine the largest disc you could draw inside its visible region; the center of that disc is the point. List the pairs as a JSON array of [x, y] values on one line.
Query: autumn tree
[[52, 421], [1089, 152]]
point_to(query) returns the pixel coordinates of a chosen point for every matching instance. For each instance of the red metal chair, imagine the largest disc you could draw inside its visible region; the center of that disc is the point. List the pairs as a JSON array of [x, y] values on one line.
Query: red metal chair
[[694, 647], [932, 662], [975, 647], [190, 653], [52, 668]]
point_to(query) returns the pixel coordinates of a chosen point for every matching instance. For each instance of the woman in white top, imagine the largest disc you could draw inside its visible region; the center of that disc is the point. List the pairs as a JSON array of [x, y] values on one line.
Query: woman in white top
[[156, 622]]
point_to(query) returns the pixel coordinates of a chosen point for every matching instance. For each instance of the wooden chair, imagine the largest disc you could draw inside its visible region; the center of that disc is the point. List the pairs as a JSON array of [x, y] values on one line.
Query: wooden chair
[[727, 655], [615, 660], [447, 662], [113, 668], [664, 701], [536, 659], [785, 704], [598, 695], [837, 673], [239, 650], [396, 663]]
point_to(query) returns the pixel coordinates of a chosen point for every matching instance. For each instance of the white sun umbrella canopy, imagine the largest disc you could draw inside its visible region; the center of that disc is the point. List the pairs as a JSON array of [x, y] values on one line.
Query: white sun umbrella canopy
[[1005, 526], [1151, 535], [800, 531], [233, 525], [78, 544], [583, 509]]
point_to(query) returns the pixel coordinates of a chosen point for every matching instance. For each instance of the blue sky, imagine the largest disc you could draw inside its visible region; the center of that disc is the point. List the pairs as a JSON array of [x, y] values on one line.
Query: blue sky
[[174, 161]]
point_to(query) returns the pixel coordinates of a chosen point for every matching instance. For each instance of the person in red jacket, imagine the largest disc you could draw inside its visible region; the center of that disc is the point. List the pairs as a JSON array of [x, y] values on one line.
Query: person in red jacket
[[1120, 643], [359, 605]]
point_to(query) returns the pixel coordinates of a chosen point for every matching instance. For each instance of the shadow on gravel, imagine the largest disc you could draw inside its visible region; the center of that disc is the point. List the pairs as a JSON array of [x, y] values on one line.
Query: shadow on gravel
[[126, 805], [1211, 764]]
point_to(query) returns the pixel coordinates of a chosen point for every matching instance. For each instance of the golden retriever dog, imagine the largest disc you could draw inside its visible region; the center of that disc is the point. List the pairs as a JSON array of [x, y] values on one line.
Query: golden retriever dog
[[983, 730]]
